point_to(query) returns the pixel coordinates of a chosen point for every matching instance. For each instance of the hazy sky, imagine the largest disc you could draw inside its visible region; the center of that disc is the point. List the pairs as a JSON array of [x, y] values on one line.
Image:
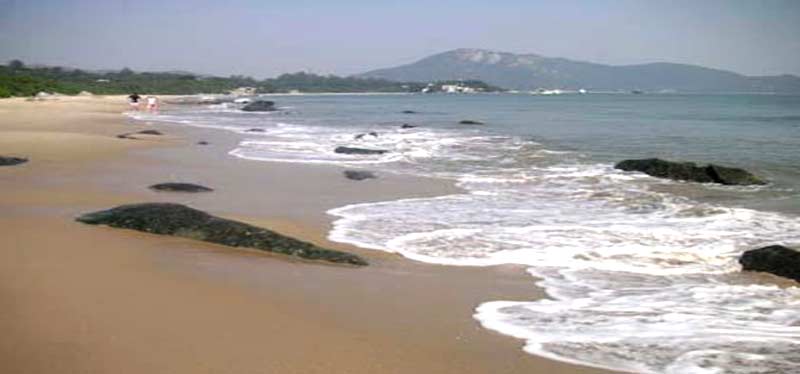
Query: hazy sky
[[266, 38]]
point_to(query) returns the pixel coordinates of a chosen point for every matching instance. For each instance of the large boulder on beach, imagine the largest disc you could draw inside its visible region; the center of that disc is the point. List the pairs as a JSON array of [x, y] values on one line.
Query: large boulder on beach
[[11, 161], [183, 221], [359, 175], [359, 151], [689, 171], [775, 259], [260, 106], [180, 187]]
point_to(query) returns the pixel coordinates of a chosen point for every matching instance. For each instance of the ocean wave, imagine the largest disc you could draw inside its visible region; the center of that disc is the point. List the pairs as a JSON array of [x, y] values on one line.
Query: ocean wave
[[638, 279]]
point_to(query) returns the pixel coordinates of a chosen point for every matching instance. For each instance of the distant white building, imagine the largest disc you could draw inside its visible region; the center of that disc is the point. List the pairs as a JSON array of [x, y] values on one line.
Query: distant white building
[[244, 91]]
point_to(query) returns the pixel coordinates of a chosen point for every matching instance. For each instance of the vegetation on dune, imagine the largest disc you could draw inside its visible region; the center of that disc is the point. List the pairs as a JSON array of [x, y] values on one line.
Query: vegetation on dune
[[16, 79]]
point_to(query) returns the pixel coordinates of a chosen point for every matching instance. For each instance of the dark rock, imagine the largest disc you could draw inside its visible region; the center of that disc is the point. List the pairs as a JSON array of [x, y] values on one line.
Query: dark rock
[[180, 187], [256, 130], [11, 161], [732, 176], [407, 126], [202, 142], [471, 122], [409, 112], [689, 171], [260, 106], [775, 259], [361, 136], [359, 151], [150, 132], [143, 132], [180, 220], [359, 175]]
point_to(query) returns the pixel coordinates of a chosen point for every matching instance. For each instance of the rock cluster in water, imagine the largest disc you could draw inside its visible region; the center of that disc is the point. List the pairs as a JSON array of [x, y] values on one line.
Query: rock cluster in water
[[260, 106], [359, 151], [11, 161], [183, 221], [180, 187], [689, 171], [359, 175], [775, 259]]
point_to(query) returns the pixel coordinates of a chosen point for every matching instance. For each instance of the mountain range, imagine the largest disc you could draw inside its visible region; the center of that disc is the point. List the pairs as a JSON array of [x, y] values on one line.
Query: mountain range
[[530, 72]]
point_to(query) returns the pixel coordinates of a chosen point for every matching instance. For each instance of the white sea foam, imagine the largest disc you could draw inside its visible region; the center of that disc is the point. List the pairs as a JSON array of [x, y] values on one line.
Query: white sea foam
[[638, 280]]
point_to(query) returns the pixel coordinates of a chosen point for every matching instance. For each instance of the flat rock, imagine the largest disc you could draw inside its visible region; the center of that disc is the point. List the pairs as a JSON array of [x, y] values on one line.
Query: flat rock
[[180, 187], [255, 129], [775, 259], [150, 132], [689, 171], [359, 175], [11, 161], [260, 106], [409, 112], [202, 142], [143, 132], [359, 151], [470, 122], [407, 126], [180, 220]]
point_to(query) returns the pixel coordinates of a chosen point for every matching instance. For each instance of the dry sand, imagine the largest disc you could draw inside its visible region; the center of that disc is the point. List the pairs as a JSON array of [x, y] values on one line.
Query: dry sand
[[85, 299]]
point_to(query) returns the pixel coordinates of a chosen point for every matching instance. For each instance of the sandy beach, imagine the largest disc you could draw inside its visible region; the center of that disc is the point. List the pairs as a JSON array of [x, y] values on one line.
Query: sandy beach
[[86, 299]]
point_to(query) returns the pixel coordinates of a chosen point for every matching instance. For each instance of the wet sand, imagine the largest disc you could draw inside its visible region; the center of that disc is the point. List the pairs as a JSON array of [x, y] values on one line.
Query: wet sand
[[86, 299]]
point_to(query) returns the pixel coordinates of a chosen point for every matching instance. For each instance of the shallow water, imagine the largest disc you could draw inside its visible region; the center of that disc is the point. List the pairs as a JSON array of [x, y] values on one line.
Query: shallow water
[[641, 272]]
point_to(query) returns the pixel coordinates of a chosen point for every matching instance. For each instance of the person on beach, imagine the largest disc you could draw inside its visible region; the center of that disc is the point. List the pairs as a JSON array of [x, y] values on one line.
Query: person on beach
[[133, 100], [152, 104]]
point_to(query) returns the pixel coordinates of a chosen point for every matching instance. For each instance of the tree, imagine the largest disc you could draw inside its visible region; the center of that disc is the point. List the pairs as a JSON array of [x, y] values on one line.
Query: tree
[[16, 65]]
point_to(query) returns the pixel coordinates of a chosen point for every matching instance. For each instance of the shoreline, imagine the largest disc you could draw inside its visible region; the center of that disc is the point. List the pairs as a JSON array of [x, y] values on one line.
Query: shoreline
[[96, 299]]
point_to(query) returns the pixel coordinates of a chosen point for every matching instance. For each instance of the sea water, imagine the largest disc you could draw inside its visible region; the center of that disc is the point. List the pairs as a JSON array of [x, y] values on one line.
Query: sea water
[[641, 273]]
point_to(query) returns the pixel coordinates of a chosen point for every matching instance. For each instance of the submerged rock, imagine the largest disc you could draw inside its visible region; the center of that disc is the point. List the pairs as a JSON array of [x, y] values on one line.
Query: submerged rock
[[471, 122], [359, 175], [180, 187], [359, 151], [11, 161], [689, 171], [361, 136], [182, 221], [255, 129], [409, 112], [260, 106], [407, 126], [774, 259]]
